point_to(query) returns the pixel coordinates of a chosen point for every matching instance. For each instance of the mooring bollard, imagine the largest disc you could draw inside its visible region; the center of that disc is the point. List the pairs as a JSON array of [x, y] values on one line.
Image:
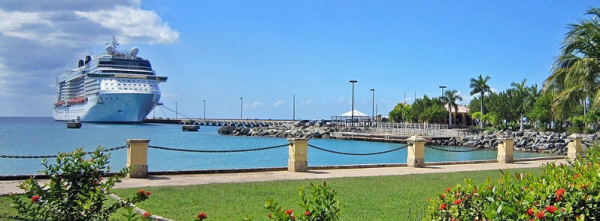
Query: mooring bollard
[[574, 146], [137, 158], [297, 160], [416, 151], [505, 150]]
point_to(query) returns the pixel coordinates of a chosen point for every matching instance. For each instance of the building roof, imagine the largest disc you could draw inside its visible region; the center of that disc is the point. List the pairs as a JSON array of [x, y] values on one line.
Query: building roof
[[461, 109], [356, 114]]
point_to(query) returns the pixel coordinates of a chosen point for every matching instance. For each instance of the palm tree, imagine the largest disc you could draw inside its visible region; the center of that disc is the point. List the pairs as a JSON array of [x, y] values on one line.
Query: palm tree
[[450, 98], [480, 86], [576, 71], [523, 94]]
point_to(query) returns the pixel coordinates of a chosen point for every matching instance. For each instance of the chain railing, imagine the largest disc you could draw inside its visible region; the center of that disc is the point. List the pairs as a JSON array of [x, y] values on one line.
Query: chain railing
[[216, 151], [357, 154], [454, 151], [54, 156]]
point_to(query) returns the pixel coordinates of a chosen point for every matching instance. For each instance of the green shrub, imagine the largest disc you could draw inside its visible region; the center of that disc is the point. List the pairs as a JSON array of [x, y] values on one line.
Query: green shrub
[[561, 192], [76, 189], [320, 205]]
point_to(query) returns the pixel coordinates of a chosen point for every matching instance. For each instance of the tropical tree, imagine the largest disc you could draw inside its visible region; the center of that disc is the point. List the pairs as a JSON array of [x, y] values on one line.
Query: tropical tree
[[428, 110], [576, 71], [401, 113], [450, 98], [526, 97], [480, 86]]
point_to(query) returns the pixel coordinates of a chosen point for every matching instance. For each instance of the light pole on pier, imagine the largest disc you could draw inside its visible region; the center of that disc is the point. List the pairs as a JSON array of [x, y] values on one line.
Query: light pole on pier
[[353, 81], [241, 107], [176, 110], [204, 111], [442, 87], [373, 111], [294, 107]]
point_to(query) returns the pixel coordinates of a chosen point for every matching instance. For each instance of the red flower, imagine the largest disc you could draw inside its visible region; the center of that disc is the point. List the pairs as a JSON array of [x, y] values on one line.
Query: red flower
[[307, 213], [560, 192], [452, 219], [289, 212], [293, 217], [146, 214], [202, 216], [575, 176], [141, 191], [269, 215], [447, 189], [443, 196], [148, 193], [540, 214], [551, 209], [443, 206], [35, 198], [558, 199], [457, 201], [529, 212]]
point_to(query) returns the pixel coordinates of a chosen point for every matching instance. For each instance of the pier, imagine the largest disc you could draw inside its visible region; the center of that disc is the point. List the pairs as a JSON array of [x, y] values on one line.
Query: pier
[[221, 122]]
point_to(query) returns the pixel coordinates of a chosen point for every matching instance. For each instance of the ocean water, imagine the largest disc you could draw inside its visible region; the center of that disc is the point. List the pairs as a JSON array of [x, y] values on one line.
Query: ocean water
[[44, 136]]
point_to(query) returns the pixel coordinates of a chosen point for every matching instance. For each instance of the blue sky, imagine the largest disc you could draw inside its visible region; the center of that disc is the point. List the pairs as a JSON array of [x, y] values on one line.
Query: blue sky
[[268, 51]]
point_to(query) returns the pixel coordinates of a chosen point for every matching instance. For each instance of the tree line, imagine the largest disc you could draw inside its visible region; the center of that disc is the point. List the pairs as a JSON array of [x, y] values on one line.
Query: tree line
[[569, 98]]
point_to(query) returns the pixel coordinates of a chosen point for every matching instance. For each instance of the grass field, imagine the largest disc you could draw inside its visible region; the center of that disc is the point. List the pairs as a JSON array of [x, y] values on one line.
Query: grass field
[[364, 198]]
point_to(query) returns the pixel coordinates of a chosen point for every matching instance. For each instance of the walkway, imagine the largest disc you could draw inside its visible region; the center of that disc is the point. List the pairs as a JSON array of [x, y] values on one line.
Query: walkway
[[7, 187]]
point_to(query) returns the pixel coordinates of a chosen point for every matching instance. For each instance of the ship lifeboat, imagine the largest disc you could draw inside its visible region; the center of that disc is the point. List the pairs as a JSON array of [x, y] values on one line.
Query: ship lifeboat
[[77, 100], [59, 103]]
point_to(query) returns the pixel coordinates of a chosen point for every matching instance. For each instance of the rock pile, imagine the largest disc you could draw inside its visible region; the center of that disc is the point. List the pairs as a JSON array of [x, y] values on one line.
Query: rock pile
[[542, 142], [289, 131]]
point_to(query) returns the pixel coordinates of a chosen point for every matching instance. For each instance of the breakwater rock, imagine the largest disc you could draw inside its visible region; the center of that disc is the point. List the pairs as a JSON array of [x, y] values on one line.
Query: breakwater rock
[[541, 142], [289, 131]]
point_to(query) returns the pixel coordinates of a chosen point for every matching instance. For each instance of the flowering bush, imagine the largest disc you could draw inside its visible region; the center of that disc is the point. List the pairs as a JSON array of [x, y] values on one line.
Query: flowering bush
[[560, 192], [321, 205], [201, 216], [76, 189]]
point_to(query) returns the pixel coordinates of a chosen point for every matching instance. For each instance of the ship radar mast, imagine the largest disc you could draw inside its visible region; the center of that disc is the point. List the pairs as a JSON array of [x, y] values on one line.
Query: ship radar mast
[[111, 47]]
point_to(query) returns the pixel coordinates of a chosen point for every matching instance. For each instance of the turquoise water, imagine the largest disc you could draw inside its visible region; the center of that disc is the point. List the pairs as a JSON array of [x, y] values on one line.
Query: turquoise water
[[44, 136]]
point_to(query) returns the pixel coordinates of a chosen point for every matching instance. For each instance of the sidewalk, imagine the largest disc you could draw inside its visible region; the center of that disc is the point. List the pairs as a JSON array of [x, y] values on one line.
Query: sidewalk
[[11, 186]]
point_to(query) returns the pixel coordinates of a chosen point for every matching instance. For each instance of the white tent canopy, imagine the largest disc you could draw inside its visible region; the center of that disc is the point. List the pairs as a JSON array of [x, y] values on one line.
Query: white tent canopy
[[356, 114]]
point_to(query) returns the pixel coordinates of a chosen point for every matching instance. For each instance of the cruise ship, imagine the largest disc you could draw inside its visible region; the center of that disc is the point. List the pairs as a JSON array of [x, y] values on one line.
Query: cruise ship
[[116, 87]]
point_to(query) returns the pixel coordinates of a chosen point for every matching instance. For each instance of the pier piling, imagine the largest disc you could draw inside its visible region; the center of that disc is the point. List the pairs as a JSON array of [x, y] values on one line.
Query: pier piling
[[137, 158], [297, 158], [505, 150]]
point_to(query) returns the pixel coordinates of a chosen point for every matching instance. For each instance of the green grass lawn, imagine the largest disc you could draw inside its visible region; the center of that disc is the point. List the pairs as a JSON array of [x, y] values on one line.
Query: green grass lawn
[[364, 198]]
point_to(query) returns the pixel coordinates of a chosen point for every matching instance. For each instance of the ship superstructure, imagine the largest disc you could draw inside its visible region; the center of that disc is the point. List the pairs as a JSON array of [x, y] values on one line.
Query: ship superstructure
[[117, 87]]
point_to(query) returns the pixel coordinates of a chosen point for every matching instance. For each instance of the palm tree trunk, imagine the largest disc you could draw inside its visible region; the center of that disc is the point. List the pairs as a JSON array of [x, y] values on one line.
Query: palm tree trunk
[[481, 110], [521, 123], [449, 116]]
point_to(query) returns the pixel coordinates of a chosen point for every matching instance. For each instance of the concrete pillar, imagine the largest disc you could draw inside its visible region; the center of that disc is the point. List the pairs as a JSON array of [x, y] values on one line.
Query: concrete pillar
[[505, 150], [416, 151], [297, 160], [137, 158], [574, 146]]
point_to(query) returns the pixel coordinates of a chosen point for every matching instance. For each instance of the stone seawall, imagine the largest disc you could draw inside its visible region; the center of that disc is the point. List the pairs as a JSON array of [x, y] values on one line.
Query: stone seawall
[[540, 142]]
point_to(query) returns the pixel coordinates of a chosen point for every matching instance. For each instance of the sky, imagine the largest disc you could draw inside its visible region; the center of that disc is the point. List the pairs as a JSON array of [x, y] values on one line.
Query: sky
[[268, 52]]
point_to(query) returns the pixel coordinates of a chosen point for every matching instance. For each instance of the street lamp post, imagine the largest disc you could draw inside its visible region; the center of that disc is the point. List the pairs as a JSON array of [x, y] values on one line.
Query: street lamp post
[[294, 107], [204, 110], [373, 111], [241, 106], [176, 111], [442, 87], [353, 81]]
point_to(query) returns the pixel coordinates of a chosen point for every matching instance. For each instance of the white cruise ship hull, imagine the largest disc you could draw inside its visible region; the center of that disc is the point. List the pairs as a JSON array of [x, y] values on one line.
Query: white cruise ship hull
[[110, 108]]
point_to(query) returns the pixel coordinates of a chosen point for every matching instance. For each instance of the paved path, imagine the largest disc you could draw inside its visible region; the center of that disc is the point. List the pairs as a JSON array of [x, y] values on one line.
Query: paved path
[[7, 187]]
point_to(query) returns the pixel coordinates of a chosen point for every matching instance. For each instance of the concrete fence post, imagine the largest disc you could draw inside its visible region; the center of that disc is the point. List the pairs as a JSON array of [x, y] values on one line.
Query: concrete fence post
[[574, 146], [297, 159], [137, 158], [505, 150], [416, 151]]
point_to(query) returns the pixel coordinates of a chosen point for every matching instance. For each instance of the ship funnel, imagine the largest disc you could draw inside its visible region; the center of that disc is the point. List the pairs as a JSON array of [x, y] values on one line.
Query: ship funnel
[[134, 52], [80, 63], [88, 59], [109, 49]]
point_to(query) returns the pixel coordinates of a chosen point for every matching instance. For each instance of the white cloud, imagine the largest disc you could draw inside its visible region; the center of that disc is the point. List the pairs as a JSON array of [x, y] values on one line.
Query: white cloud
[[308, 102], [278, 103], [341, 100], [254, 105], [40, 40]]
